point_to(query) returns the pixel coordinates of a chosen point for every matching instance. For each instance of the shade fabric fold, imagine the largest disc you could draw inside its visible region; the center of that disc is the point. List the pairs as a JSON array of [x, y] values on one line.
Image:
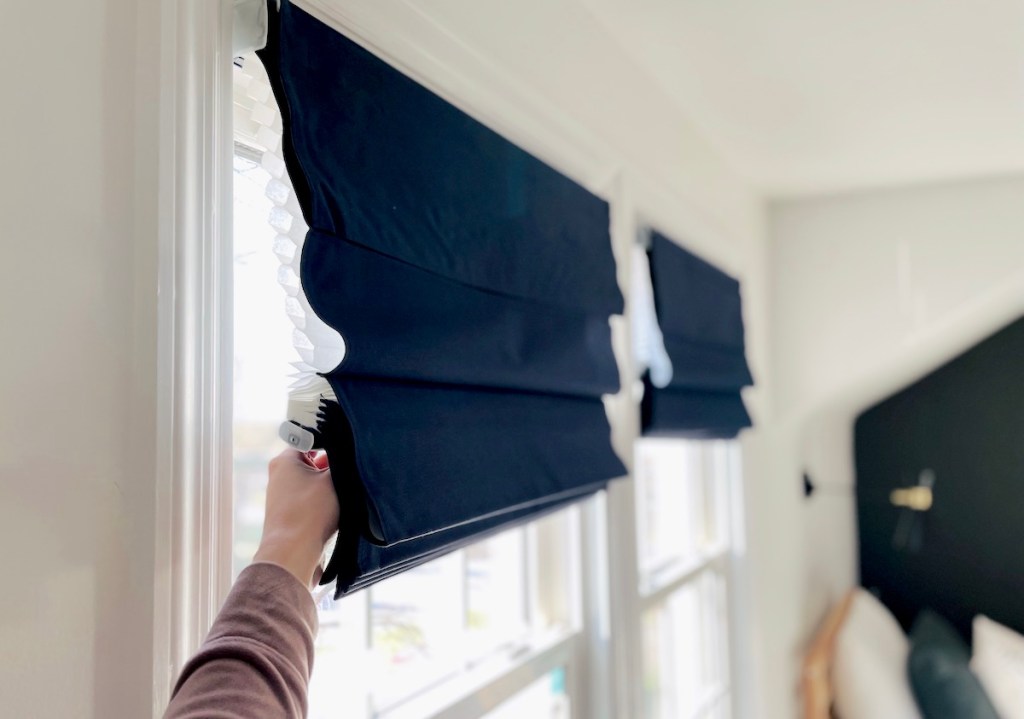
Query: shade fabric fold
[[402, 322], [432, 457], [700, 313], [472, 285]]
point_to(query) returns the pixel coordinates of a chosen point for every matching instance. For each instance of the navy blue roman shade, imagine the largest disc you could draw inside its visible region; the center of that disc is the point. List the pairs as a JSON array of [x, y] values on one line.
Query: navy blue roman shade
[[700, 314], [472, 284]]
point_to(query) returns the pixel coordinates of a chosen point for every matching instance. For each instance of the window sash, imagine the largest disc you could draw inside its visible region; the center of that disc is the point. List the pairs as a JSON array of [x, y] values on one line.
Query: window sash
[[719, 474]]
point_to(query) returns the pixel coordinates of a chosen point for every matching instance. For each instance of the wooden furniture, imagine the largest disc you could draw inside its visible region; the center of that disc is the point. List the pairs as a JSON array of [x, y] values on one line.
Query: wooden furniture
[[816, 677]]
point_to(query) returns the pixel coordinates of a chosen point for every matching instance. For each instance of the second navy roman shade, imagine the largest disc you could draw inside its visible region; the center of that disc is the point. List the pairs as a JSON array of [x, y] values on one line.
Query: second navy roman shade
[[472, 284], [700, 314]]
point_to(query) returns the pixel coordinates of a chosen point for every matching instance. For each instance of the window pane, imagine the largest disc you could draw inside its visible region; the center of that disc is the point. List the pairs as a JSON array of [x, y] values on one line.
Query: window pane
[[496, 609], [434, 622], [666, 489], [722, 709], [685, 650], [682, 502], [554, 581], [337, 687], [671, 507], [543, 699], [262, 351], [717, 477], [417, 623]]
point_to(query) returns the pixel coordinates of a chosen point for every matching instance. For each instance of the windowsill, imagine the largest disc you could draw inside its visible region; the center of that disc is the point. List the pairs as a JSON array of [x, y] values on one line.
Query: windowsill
[[537, 655], [662, 579], [394, 691]]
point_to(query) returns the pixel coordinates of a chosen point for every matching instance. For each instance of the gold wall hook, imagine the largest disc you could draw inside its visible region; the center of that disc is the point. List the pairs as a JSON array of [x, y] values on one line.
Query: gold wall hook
[[917, 498]]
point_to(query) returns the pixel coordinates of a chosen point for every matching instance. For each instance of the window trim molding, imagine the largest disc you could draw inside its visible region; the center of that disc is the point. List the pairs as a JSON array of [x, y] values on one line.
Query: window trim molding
[[192, 558]]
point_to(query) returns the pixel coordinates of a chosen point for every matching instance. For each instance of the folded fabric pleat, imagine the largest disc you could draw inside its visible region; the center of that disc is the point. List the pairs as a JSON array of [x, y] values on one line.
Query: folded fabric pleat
[[367, 563], [432, 457], [396, 168], [403, 322], [692, 413]]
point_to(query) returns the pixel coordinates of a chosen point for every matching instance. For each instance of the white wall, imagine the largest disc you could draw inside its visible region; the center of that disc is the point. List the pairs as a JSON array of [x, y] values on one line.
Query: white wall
[[869, 292], [859, 277], [77, 372]]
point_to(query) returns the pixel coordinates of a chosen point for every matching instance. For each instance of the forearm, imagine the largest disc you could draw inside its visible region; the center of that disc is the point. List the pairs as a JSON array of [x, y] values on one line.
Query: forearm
[[257, 658]]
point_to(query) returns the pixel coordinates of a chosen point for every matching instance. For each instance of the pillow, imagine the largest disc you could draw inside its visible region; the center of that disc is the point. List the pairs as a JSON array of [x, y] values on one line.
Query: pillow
[[999, 663], [870, 668], [940, 675]]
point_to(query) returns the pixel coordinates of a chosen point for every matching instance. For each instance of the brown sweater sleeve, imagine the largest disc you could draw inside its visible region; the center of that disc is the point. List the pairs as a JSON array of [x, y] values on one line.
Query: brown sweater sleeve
[[258, 655]]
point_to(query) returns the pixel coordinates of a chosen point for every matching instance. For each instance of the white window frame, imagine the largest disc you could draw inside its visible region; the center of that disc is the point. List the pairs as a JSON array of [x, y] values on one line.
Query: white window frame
[[192, 560], [721, 560], [193, 499]]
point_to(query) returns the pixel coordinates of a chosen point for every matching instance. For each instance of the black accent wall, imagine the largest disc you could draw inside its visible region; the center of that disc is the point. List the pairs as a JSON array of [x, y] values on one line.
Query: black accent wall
[[963, 423]]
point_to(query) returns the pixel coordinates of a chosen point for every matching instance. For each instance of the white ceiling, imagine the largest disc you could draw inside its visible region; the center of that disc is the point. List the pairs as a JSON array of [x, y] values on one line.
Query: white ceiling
[[809, 96]]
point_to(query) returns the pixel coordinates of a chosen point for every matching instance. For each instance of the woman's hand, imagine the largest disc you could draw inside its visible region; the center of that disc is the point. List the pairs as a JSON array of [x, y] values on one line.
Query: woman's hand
[[301, 515]]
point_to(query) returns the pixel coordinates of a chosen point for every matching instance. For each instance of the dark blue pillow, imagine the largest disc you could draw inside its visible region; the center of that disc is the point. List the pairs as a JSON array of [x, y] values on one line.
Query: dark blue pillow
[[940, 674]]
